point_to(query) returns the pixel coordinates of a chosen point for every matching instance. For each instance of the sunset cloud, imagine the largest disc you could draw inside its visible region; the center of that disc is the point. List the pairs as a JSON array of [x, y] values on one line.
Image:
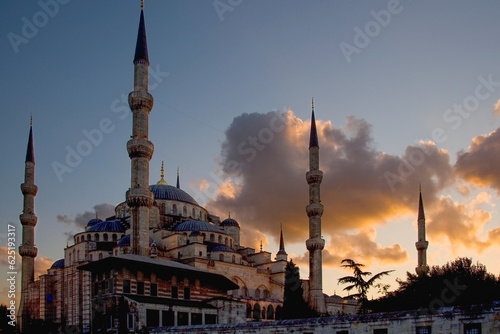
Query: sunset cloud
[[479, 165], [80, 220], [496, 108], [263, 163]]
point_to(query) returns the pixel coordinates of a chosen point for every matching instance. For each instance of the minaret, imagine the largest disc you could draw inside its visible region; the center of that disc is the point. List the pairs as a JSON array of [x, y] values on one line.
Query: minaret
[[281, 255], [315, 243], [178, 181], [140, 149], [421, 244], [28, 219]]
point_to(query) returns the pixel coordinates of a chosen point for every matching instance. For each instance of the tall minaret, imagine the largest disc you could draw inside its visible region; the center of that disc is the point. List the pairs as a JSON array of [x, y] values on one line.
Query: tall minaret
[[28, 219], [315, 243], [140, 149], [421, 244]]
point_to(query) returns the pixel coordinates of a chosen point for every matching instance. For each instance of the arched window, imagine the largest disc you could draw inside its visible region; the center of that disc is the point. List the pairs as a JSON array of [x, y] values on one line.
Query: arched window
[[257, 293], [266, 293], [233, 259], [100, 256], [105, 237], [96, 237], [270, 313], [220, 239], [225, 242], [163, 209], [184, 211], [212, 238], [115, 237], [221, 257], [231, 243], [77, 255], [174, 209], [249, 311], [194, 214], [256, 312], [88, 237], [91, 257], [263, 314]]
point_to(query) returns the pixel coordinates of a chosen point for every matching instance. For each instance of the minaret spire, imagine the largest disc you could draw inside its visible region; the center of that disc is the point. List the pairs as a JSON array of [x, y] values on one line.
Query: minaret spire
[[421, 244], [140, 149], [162, 175], [28, 219], [178, 181], [281, 255], [315, 243]]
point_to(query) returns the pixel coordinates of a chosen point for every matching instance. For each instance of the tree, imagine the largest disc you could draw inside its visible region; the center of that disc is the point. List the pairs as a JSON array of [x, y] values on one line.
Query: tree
[[358, 282], [457, 283], [294, 305]]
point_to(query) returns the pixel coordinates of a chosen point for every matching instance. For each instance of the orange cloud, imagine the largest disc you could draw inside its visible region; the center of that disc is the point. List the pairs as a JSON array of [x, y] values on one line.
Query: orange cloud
[[496, 108], [479, 164]]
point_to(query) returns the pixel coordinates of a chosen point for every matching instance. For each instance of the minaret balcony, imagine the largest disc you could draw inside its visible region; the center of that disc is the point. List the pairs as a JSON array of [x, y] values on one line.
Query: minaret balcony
[[28, 219], [140, 197], [314, 209], [422, 245], [29, 189], [138, 147], [27, 250], [140, 100], [313, 244], [314, 176]]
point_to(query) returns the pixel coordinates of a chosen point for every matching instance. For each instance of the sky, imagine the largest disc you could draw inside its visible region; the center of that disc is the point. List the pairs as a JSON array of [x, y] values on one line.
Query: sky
[[406, 93]]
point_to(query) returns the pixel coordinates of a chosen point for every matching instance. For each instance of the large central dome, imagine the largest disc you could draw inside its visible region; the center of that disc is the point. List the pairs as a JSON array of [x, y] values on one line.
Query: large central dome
[[165, 191]]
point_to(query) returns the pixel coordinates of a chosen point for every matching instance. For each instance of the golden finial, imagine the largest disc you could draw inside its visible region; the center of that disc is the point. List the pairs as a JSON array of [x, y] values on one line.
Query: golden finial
[[261, 246], [162, 175], [96, 216], [31, 120], [142, 4], [312, 103], [229, 216]]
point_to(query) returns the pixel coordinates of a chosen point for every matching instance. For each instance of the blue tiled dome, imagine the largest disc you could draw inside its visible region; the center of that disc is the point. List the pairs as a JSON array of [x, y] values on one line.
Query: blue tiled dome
[[94, 221], [165, 191], [107, 226], [58, 264], [196, 225], [220, 248], [125, 241], [229, 222]]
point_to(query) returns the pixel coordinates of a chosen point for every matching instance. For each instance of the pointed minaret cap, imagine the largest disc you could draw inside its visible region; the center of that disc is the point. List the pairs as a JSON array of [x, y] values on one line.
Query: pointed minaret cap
[[421, 214], [30, 152], [162, 175], [141, 47], [178, 181], [313, 140], [282, 242]]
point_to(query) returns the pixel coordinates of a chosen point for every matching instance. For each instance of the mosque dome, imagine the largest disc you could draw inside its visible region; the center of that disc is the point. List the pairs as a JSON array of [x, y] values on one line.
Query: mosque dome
[[220, 248], [58, 264], [125, 241], [229, 222], [107, 226], [165, 191], [94, 221], [196, 225]]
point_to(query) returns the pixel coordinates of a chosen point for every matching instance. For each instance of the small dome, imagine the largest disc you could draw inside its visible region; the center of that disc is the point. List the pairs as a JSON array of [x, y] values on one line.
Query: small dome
[[165, 191], [94, 221], [125, 241], [220, 248], [58, 264], [229, 222], [196, 225], [107, 226]]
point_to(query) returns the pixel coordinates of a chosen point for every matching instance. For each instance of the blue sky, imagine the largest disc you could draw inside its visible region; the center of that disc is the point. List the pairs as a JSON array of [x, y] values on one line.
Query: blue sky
[[216, 60]]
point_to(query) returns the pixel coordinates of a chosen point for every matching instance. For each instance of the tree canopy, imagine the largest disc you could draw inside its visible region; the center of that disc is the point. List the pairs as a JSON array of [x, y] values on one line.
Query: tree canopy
[[457, 283]]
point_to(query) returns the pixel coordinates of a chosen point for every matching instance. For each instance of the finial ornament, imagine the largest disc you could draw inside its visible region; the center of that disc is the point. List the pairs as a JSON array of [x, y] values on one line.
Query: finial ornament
[[261, 246], [162, 175], [312, 104], [31, 120], [229, 215], [142, 4]]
